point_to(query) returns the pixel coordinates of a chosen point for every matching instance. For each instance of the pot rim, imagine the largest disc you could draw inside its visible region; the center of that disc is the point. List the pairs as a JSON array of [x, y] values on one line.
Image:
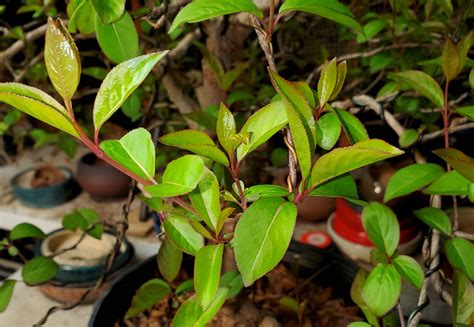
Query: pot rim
[[68, 178]]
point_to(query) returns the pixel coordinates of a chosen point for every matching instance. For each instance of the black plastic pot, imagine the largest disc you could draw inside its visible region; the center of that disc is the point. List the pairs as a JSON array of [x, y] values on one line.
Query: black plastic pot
[[335, 271]]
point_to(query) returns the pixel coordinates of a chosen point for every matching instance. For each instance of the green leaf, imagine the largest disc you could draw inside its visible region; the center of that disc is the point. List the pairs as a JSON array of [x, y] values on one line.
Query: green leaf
[[6, 292], [467, 111], [120, 83], [330, 9], [62, 59], [409, 269], [344, 160], [359, 324], [353, 128], [205, 199], [356, 296], [382, 289], [256, 192], [25, 230], [300, 119], [261, 126], [463, 306], [327, 82], [134, 151], [118, 40], [450, 60], [463, 47], [207, 271], [155, 204], [422, 83], [190, 313], [200, 10], [84, 219], [109, 11], [435, 218], [181, 176], [262, 236], [169, 260], [460, 253], [98, 73], [412, 178], [183, 235], [341, 77], [371, 29], [459, 161], [197, 142], [226, 130], [381, 226], [150, 293], [408, 138], [343, 186], [37, 104], [328, 130], [451, 183], [233, 281], [39, 270], [471, 79], [81, 16], [184, 287]]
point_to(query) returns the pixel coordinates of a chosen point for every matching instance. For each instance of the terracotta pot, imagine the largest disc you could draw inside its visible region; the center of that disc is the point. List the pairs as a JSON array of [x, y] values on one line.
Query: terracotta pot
[[100, 180]]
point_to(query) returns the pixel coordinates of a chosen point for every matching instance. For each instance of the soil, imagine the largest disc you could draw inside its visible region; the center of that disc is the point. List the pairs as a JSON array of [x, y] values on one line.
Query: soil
[[260, 306], [47, 176]]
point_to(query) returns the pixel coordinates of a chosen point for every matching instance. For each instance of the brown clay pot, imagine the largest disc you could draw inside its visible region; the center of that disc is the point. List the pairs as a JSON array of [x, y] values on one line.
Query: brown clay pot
[[100, 180]]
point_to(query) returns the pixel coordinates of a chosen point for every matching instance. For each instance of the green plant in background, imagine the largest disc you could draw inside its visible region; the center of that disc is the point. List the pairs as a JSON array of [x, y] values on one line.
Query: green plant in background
[[196, 203]]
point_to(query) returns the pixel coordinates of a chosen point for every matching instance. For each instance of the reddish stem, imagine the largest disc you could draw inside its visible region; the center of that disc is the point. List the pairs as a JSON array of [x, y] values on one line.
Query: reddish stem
[[183, 204], [234, 171]]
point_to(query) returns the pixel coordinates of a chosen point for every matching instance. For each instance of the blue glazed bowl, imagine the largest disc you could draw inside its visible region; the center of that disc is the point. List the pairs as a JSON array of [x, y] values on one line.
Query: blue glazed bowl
[[87, 263], [45, 196]]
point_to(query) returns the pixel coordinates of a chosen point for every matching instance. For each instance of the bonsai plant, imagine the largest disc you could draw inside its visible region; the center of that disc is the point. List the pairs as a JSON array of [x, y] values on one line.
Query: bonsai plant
[[194, 203]]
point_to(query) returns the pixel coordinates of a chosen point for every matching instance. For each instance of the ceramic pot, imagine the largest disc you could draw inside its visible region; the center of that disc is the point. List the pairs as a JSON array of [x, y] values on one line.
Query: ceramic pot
[[44, 196], [100, 180]]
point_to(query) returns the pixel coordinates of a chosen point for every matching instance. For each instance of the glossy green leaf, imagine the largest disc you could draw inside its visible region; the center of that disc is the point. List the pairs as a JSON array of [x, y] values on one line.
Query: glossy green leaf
[[359, 324], [183, 235], [463, 305], [327, 81], [206, 200], [37, 104], [435, 218], [353, 128], [81, 16], [341, 77], [26, 230], [467, 111], [169, 260], [181, 176], [343, 186], [226, 130], [6, 293], [412, 178], [371, 29], [344, 160], [261, 126], [150, 293], [200, 10], [408, 138], [328, 129], [201, 229], [262, 236], [225, 213], [422, 83], [450, 183], [381, 226], [62, 59], [253, 193], [109, 11], [155, 204], [459, 161], [197, 142], [300, 119], [39, 270], [460, 253], [185, 287], [84, 219], [382, 289], [330, 9], [450, 60], [118, 40], [134, 151], [463, 47], [207, 271], [356, 296], [233, 281], [120, 83], [190, 313], [409, 269]]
